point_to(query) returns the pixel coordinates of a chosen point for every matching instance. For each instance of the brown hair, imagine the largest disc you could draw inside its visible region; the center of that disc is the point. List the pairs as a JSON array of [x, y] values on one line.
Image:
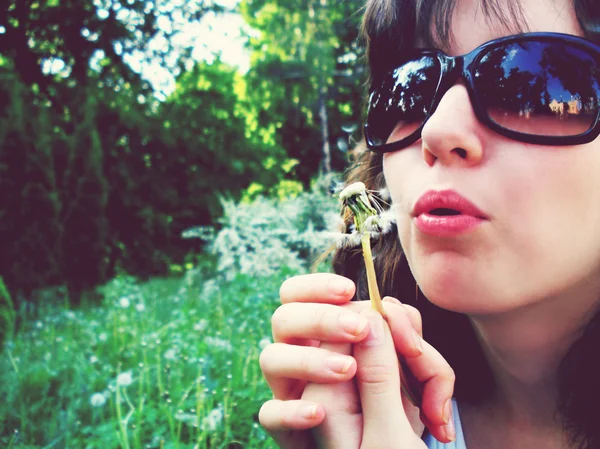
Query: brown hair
[[389, 27]]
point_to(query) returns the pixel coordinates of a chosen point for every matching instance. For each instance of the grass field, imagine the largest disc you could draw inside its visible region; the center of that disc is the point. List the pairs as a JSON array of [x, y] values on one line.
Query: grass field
[[168, 363]]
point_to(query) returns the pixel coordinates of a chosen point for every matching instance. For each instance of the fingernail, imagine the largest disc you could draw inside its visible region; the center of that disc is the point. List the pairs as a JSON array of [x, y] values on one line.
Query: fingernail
[[353, 323], [340, 286], [339, 363], [418, 341], [391, 300], [449, 422], [308, 411], [375, 336]]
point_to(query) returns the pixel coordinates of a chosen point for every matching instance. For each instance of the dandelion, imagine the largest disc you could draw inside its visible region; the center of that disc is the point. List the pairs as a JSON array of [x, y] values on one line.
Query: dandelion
[[212, 421], [170, 354], [201, 325], [97, 400], [368, 222], [263, 343], [219, 343], [124, 302], [124, 379]]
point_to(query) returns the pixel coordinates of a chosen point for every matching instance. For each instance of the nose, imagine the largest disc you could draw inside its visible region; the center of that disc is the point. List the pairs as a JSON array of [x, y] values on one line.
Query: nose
[[452, 135]]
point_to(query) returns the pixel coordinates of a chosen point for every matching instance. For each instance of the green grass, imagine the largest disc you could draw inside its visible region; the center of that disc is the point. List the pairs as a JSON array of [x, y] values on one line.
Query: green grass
[[190, 345]]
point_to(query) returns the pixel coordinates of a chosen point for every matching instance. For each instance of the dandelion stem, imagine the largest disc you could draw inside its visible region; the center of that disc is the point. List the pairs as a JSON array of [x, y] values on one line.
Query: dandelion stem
[[374, 294]]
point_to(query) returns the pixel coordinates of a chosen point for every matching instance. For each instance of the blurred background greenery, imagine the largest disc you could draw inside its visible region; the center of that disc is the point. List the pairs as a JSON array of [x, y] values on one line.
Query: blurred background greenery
[[119, 130]]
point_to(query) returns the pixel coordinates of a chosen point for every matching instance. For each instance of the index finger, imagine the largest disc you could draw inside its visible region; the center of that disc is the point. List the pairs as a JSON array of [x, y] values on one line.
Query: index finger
[[317, 287]]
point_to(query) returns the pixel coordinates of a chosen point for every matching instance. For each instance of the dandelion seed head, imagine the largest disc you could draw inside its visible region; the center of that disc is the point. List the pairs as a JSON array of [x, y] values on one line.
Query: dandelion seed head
[[201, 325], [170, 354], [264, 342], [97, 400], [124, 302], [353, 189], [124, 379]]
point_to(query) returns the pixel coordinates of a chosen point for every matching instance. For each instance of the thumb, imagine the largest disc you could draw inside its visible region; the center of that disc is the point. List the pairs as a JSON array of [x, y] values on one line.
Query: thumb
[[378, 381]]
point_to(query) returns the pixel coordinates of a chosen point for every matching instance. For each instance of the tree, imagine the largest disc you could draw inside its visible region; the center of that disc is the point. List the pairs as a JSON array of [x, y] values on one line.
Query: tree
[[304, 76]]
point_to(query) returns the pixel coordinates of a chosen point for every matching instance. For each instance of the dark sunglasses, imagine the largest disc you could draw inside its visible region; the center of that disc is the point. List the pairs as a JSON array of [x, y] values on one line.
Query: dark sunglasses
[[540, 88]]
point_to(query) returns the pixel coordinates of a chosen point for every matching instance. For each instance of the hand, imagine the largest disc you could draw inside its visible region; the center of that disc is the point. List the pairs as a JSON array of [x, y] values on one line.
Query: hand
[[308, 329]]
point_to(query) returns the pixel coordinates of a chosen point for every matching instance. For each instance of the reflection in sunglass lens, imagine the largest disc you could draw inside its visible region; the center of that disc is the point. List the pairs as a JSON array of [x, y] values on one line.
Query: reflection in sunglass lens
[[399, 105], [544, 89]]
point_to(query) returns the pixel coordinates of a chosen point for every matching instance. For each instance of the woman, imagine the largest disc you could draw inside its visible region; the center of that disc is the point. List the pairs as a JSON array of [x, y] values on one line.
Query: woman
[[492, 162]]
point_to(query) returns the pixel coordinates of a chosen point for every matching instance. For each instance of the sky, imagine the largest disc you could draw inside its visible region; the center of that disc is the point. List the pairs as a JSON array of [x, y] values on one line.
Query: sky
[[222, 33]]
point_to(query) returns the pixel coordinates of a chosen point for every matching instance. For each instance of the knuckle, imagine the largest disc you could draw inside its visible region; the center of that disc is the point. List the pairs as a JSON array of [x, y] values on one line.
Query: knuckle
[[321, 319], [376, 374]]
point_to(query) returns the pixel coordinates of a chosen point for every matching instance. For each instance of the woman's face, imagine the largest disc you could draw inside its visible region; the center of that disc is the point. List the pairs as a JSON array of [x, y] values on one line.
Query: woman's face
[[542, 203]]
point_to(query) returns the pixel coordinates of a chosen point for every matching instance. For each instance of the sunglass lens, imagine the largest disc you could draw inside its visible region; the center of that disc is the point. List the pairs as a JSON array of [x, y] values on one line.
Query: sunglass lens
[[399, 105], [539, 88]]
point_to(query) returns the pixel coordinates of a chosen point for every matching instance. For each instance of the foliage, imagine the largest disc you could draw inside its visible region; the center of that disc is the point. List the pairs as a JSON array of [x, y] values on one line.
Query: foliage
[[170, 363], [306, 85], [262, 236], [7, 315]]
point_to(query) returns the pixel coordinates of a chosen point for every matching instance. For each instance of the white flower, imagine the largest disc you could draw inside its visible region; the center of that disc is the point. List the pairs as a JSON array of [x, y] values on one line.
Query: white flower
[[70, 314], [212, 421], [140, 307], [97, 400], [263, 343], [201, 325], [103, 336], [124, 302], [93, 359], [124, 379], [170, 354], [219, 343], [39, 324], [353, 189]]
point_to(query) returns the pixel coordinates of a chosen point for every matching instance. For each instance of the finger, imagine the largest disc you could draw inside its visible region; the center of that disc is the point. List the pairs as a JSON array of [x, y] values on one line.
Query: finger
[[281, 363], [324, 322], [413, 313], [378, 382], [407, 339], [437, 378], [317, 287], [285, 421]]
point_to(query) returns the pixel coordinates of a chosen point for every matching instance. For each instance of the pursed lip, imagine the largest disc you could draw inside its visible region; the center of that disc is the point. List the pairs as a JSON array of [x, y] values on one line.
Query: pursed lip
[[446, 199]]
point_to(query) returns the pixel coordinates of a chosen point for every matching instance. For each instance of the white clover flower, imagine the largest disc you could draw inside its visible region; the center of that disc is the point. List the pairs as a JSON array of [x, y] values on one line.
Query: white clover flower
[[264, 342], [170, 354], [212, 421], [124, 379], [97, 400], [70, 314], [140, 307], [201, 325], [39, 324], [103, 336], [93, 359], [124, 302]]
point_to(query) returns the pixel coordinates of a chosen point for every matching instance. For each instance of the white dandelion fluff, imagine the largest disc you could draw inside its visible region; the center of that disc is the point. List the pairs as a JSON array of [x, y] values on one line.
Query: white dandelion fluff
[[213, 420], [264, 342], [124, 379], [124, 302], [170, 354], [97, 400]]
